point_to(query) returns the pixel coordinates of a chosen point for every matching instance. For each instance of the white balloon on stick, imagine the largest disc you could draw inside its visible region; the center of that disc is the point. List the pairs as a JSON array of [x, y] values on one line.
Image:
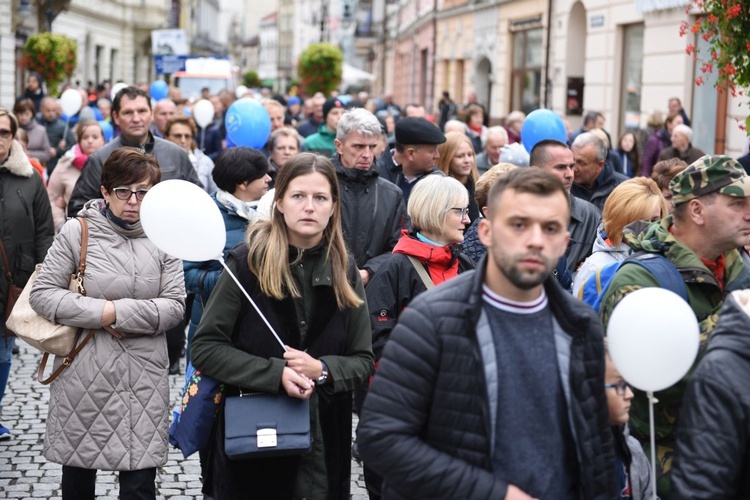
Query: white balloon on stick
[[71, 102], [203, 112], [653, 339], [182, 220], [116, 88]]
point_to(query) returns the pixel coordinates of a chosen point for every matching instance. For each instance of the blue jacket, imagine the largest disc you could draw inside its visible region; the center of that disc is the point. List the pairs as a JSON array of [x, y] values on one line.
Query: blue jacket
[[201, 277]]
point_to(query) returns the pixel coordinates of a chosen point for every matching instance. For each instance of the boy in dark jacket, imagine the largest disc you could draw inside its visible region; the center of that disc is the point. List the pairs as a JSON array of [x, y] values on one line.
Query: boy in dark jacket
[[632, 468]]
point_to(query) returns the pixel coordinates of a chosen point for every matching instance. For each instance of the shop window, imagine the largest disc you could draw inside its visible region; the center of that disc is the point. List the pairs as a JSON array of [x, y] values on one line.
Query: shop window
[[528, 56], [631, 79]]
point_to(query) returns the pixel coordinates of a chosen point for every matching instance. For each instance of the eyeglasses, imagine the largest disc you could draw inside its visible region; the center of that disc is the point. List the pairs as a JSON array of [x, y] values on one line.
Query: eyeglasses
[[5, 133], [464, 211], [181, 136], [621, 387], [124, 194]]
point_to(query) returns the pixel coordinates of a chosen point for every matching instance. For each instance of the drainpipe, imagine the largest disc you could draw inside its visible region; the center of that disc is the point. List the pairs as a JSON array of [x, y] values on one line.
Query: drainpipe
[[547, 79]]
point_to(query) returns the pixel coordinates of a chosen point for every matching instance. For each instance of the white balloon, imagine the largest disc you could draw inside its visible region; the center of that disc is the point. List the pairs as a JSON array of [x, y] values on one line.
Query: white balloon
[[71, 102], [116, 88], [240, 91], [183, 221], [203, 112], [653, 338]]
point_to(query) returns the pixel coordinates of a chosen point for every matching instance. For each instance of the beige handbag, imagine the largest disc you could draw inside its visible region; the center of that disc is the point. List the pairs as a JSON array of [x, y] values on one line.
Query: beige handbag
[[37, 331]]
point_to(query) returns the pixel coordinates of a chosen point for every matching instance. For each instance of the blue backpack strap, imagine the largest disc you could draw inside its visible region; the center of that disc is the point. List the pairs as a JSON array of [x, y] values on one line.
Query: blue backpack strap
[[663, 270]]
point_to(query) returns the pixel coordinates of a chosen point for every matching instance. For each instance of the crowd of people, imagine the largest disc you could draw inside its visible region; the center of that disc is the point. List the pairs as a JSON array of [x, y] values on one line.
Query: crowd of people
[[497, 383]]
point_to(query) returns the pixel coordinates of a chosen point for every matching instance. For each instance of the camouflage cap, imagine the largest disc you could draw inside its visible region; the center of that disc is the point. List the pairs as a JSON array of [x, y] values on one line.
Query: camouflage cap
[[710, 174]]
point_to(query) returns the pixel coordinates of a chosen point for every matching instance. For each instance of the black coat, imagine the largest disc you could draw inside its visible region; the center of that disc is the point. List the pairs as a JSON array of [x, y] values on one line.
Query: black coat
[[713, 434], [425, 425], [373, 213], [391, 290]]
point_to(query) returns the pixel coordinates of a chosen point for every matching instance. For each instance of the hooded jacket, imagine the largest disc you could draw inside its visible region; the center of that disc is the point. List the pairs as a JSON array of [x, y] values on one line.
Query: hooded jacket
[[109, 409], [713, 434], [397, 282], [602, 255], [25, 219], [373, 213], [321, 142], [173, 163], [705, 297]]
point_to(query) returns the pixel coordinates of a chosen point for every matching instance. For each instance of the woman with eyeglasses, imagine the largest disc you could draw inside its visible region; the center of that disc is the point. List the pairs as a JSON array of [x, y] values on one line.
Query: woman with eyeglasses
[[109, 408], [429, 254], [26, 229], [181, 130], [457, 160]]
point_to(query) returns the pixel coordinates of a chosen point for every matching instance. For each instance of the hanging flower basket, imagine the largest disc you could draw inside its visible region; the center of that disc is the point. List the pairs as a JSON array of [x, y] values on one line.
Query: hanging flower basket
[[320, 68], [51, 55]]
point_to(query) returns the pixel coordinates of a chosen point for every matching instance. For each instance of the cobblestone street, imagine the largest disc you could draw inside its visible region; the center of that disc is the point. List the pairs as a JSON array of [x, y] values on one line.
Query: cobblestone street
[[24, 473]]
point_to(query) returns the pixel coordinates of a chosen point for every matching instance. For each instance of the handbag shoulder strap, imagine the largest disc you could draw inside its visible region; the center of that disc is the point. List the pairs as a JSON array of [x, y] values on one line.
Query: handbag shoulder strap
[[84, 248], [6, 264], [421, 271], [66, 361]]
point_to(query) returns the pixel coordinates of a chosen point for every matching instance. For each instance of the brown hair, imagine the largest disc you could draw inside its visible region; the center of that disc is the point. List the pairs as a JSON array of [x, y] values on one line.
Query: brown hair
[[671, 117], [534, 181], [127, 166], [471, 110], [24, 105], [181, 120], [487, 180], [268, 241], [82, 126], [131, 93], [665, 170], [631, 201], [448, 150]]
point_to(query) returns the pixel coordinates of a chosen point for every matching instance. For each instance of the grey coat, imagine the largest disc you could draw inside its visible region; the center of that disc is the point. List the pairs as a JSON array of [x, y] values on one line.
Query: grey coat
[[109, 409]]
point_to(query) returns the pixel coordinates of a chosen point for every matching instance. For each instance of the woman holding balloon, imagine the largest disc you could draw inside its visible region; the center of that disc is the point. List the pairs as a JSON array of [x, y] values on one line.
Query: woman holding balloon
[[89, 138], [299, 273]]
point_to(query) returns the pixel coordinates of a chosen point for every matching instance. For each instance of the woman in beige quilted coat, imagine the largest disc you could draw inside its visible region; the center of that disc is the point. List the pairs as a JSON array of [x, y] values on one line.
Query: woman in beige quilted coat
[[108, 410]]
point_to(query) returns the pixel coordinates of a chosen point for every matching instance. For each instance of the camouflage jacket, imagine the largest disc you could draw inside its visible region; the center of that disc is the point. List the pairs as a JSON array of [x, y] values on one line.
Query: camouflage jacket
[[704, 296]]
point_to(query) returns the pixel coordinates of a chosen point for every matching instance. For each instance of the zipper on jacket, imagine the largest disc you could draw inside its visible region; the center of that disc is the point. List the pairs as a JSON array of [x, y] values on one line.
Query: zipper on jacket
[[23, 202]]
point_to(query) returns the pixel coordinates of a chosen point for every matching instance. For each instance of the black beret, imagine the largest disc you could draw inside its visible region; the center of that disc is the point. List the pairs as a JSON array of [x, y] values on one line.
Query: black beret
[[413, 131], [331, 103]]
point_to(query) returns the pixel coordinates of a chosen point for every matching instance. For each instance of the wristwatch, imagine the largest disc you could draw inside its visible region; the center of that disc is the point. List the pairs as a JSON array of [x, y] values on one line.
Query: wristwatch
[[323, 376]]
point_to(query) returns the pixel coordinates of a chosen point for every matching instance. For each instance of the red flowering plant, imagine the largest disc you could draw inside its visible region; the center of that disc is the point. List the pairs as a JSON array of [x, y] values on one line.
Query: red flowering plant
[[52, 56], [320, 68]]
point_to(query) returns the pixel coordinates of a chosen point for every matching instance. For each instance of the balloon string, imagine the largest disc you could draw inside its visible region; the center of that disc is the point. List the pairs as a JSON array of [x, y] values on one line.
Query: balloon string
[[252, 303], [651, 402], [203, 136]]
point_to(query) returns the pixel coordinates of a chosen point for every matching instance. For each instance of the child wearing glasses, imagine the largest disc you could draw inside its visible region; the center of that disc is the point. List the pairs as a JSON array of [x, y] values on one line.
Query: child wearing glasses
[[632, 468]]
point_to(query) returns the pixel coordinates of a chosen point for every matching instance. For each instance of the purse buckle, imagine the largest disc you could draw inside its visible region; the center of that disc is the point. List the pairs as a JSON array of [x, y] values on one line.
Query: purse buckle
[[267, 438]]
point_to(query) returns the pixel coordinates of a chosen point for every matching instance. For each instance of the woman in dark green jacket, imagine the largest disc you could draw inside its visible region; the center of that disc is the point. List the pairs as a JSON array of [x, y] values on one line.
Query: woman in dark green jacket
[[296, 268]]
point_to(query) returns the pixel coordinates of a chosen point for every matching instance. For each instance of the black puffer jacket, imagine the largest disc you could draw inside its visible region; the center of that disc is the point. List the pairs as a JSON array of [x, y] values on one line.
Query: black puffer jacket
[[373, 213], [426, 420], [713, 434], [173, 163]]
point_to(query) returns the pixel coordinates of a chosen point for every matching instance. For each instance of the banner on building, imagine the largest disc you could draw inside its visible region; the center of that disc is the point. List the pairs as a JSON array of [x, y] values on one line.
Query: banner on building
[[169, 42]]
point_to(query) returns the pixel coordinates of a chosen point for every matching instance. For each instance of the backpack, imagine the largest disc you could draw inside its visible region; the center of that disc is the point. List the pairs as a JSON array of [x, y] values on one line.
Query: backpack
[[593, 290]]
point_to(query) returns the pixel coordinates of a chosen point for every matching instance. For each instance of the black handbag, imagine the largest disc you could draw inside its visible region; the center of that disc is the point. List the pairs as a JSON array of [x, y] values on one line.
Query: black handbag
[[260, 425]]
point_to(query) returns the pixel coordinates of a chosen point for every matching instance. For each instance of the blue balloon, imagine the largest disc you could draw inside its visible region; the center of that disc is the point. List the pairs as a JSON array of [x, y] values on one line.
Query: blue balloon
[[159, 90], [540, 125], [107, 130], [248, 123]]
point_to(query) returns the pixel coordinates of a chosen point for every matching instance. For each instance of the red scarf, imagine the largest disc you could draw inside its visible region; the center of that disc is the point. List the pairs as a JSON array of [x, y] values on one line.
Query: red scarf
[[79, 159]]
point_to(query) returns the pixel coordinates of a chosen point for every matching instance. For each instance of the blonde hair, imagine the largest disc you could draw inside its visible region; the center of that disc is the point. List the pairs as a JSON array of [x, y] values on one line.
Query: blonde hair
[[485, 182], [272, 103], [631, 201], [432, 198], [448, 149], [268, 241]]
